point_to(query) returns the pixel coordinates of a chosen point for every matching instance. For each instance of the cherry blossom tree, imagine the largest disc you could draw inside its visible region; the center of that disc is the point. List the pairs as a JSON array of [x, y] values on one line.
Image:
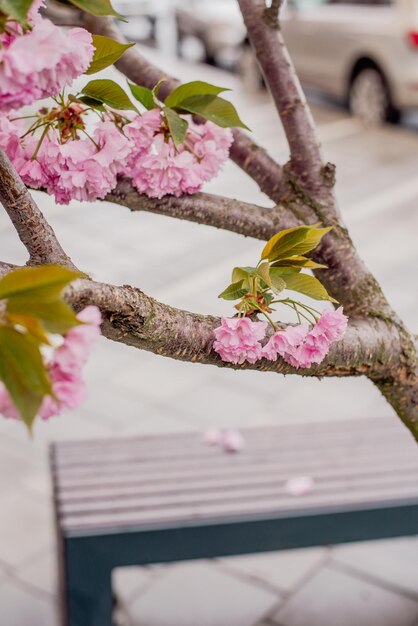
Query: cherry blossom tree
[[152, 147]]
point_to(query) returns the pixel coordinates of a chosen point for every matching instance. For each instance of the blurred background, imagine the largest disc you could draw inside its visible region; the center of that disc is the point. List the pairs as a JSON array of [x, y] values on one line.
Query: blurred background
[[359, 65]]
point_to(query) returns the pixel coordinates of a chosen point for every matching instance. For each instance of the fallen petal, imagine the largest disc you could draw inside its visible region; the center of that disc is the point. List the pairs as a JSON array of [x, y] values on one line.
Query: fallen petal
[[299, 485]]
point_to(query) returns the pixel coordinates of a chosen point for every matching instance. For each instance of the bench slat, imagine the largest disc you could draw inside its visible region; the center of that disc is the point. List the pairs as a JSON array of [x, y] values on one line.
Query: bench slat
[[221, 463], [106, 492], [271, 508], [267, 437], [174, 479]]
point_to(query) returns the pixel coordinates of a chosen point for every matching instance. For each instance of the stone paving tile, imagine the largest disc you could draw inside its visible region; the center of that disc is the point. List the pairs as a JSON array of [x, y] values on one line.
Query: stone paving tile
[[159, 379], [26, 529], [364, 401], [284, 570], [41, 573], [332, 597], [129, 582], [121, 412], [17, 461], [22, 608], [395, 561], [197, 593]]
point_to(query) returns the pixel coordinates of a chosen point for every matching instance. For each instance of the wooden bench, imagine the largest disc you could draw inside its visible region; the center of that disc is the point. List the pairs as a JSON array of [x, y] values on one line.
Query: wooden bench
[[167, 498]]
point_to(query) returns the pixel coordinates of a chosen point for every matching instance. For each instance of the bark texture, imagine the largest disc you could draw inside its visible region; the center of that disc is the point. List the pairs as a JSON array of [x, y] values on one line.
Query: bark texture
[[34, 231]]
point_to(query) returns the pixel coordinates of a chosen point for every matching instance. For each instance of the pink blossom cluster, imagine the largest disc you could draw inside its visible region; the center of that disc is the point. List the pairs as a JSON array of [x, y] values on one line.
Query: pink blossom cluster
[[238, 340], [86, 168], [37, 63], [159, 168], [65, 369], [82, 169]]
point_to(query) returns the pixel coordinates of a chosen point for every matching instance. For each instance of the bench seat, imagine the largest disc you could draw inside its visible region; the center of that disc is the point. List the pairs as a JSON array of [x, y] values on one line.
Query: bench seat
[[166, 498]]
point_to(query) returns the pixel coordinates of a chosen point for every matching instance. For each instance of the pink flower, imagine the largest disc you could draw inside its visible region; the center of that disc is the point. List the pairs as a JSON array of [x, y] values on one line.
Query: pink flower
[[142, 130], [332, 324], [39, 62], [81, 169], [330, 327], [65, 369], [312, 350], [73, 354], [211, 144], [284, 342], [238, 339], [159, 168], [163, 170]]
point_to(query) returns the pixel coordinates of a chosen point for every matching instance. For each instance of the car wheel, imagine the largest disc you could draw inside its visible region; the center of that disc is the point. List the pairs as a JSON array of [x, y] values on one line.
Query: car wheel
[[369, 98]]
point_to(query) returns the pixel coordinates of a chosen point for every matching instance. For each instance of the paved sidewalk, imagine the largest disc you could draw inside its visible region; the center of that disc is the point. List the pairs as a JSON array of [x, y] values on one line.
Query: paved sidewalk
[[187, 265]]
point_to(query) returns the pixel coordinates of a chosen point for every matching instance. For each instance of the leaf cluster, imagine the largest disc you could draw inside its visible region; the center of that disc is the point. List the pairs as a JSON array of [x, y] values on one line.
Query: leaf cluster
[[197, 97], [279, 269], [32, 307]]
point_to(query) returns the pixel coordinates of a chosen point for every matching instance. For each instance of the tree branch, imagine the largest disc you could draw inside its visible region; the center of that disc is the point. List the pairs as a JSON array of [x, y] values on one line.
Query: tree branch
[[138, 320], [34, 231], [285, 89], [246, 219]]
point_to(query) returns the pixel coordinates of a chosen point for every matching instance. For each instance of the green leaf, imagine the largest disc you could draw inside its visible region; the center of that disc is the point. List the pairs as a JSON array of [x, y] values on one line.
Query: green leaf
[[177, 126], [106, 52], [263, 271], [213, 108], [293, 241], [92, 103], [108, 92], [299, 261], [18, 9], [308, 285], [143, 95], [32, 325], [277, 280], [243, 273], [97, 7], [23, 372], [234, 291], [195, 88], [55, 314], [36, 281]]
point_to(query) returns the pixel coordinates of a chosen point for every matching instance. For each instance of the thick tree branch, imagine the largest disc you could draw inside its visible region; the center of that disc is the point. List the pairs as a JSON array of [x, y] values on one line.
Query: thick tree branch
[[370, 347], [285, 89], [34, 231], [138, 320], [204, 208]]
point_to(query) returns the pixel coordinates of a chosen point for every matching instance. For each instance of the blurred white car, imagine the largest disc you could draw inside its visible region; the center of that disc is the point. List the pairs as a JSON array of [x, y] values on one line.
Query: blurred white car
[[363, 52]]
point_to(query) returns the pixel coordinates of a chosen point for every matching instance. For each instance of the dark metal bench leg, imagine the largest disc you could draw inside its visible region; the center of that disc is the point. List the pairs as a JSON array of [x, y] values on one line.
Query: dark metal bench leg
[[87, 589]]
